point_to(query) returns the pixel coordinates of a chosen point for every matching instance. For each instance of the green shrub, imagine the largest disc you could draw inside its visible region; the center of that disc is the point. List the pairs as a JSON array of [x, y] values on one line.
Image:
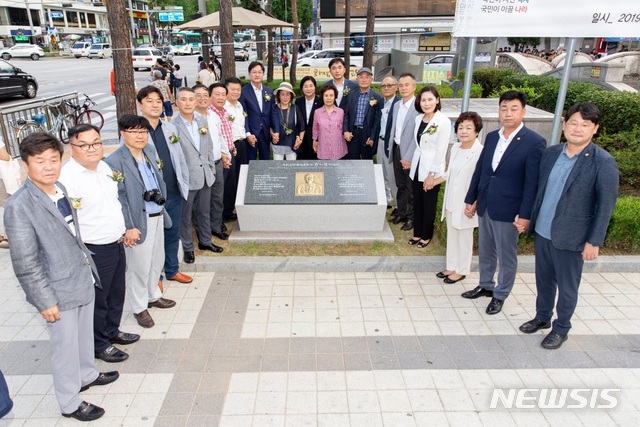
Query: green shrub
[[490, 79], [620, 110], [532, 96], [624, 229]]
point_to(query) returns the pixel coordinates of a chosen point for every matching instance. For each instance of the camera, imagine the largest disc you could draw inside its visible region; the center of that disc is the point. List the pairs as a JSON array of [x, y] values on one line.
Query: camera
[[154, 196]]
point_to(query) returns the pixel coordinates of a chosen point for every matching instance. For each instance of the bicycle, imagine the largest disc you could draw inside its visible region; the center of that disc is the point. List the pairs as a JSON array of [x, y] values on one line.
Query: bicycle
[[84, 114], [38, 123]]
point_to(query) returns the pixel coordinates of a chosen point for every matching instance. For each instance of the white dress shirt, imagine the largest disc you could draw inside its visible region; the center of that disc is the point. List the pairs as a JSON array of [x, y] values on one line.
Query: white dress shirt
[[100, 214], [258, 92], [340, 88], [237, 124], [308, 104], [503, 144]]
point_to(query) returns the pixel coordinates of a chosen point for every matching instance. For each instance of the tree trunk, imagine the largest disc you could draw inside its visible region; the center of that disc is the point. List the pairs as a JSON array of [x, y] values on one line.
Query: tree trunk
[[296, 35], [226, 39], [367, 61], [347, 38], [271, 47], [121, 42]]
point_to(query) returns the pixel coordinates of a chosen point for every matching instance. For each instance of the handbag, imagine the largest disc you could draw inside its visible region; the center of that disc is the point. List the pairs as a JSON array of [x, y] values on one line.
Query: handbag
[[11, 175], [6, 404]]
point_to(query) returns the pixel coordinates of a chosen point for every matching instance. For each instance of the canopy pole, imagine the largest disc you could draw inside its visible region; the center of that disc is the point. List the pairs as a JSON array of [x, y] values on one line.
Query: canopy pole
[[562, 92], [468, 74]]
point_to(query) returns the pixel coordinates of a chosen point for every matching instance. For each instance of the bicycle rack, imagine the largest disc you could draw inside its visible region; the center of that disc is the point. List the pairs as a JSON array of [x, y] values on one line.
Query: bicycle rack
[[27, 109]]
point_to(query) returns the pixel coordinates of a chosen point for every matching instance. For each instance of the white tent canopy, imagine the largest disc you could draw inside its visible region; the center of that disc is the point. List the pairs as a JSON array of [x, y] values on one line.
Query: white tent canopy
[[242, 18]]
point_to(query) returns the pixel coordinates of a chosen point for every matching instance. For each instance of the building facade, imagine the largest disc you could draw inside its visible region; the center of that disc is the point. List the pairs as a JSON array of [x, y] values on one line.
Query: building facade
[[416, 26]]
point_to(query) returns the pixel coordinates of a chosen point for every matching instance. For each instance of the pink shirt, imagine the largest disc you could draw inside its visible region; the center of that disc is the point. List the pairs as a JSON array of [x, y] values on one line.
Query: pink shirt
[[327, 130]]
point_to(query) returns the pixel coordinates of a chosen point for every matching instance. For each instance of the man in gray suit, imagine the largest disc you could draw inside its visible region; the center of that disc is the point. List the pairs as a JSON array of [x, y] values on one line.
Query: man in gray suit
[[141, 191], [402, 143], [195, 141], [56, 272], [388, 88], [577, 193]]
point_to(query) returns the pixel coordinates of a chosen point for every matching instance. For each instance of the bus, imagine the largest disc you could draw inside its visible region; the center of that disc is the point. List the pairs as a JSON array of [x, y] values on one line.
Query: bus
[[185, 42]]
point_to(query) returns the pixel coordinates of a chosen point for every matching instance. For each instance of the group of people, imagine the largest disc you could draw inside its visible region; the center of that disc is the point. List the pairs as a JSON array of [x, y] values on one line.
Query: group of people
[[114, 225]]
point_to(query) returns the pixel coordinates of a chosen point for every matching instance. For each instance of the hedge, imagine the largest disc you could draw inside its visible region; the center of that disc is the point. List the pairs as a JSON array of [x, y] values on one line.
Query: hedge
[[625, 148], [624, 229]]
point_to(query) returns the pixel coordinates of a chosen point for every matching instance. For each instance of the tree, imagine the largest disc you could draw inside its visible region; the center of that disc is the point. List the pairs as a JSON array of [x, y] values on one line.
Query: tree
[[226, 38], [283, 10], [521, 42], [121, 42], [367, 61], [347, 32], [294, 49]]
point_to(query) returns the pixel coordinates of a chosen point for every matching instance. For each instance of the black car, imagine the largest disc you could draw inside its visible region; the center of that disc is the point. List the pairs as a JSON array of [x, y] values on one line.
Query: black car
[[14, 81]]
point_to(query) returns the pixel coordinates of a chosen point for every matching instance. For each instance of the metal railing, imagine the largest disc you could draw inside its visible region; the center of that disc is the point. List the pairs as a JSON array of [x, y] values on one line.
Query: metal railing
[[10, 115]]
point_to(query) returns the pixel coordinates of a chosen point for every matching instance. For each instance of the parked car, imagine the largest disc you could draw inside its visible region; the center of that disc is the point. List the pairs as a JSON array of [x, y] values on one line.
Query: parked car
[[14, 81], [145, 58], [440, 60], [241, 53], [32, 51], [307, 54], [323, 57], [80, 49], [100, 50]]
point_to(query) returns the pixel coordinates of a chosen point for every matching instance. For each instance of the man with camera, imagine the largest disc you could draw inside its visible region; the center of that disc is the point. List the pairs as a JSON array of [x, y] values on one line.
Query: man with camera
[[141, 189]]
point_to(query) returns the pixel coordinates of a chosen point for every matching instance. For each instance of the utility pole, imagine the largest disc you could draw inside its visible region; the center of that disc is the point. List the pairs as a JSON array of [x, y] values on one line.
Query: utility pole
[[32, 38]]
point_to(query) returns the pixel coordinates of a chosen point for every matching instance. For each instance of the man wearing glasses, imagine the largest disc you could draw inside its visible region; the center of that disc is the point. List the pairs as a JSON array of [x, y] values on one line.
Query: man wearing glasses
[[95, 197], [388, 90], [137, 171]]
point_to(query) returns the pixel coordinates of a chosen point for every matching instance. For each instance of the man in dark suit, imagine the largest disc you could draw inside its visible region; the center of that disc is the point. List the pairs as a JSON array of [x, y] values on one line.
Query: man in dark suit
[[362, 118], [577, 192], [502, 191], [308, 104], [262, 114], [56, 272], [388, 88], [338, 70]]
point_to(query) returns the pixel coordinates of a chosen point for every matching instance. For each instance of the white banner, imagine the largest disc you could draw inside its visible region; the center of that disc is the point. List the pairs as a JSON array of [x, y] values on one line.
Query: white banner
[[547, 18]]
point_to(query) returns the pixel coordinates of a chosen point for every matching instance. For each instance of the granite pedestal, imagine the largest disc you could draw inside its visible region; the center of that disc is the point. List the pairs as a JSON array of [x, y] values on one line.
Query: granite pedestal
[[311, 201]]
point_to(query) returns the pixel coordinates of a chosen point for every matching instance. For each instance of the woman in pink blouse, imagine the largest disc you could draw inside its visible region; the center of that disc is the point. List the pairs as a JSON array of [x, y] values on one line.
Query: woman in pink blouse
[[328, 139]]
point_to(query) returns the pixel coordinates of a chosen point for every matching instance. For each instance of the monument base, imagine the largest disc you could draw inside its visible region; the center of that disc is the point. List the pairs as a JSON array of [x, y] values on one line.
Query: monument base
[[385, 236], [322, 223]]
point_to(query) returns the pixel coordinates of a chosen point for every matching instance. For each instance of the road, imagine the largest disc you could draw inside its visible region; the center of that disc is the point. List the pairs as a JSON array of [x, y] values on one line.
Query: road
[[57, 76]]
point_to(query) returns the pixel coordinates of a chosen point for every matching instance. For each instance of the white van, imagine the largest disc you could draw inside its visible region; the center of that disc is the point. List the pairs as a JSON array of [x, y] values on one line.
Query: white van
[[100, 50], [80, 49], [323, 57]]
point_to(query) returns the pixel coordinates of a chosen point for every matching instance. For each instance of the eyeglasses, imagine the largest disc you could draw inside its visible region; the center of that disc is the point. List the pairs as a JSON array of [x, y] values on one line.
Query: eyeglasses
[[87, 147], [137, 132], [387, 86]]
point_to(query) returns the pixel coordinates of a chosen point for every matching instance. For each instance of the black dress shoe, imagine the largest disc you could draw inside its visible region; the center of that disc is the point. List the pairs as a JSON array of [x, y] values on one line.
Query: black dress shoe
[[407, 225], [86, 412], [477, 292], [212, 248], [220, 235], [224, 227], [162, 303], [104, 378], [450, 280], [399, 219], [495, 306], [189, 257], [394, 212], [441, 275], [534, 326], [230, 218], [553, 341], [112, 355], [124, 338]]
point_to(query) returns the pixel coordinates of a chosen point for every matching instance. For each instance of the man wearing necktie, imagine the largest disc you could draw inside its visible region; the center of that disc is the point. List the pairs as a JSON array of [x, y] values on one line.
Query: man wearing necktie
[[56, 272]]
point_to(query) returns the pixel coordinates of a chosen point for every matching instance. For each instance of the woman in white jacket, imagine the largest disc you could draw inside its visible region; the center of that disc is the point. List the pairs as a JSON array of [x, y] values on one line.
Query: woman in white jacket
[[433, 132], [462, 162]]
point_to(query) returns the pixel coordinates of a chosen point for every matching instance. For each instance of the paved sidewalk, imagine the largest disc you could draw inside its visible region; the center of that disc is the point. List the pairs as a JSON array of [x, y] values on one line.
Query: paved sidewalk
[[351, 348]]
